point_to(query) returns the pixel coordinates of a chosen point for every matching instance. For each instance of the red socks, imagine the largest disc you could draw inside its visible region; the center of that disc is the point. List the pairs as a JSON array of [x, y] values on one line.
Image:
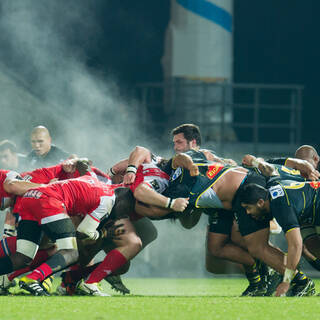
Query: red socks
[[114, 260], [8, 246], [41, 256], [41, 272]]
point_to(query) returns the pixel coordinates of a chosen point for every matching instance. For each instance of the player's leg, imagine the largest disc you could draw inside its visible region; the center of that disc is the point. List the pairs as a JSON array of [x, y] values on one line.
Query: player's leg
[[128, 245], [63, 233], [221, 249], [20, 252], [311, 245]]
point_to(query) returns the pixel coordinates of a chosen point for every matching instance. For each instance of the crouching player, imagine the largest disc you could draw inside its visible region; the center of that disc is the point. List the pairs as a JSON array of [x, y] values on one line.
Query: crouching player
[[48, 209]]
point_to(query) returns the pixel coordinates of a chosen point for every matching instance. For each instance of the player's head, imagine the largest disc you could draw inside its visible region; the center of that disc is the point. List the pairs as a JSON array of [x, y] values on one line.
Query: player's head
[[124, 204], [40, 140], [8, 155], [254, 199], [309, 154], [185, 137]]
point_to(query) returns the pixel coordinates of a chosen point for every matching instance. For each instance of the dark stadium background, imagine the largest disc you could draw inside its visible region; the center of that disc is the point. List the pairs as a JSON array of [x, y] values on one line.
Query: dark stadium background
[[275, 42]]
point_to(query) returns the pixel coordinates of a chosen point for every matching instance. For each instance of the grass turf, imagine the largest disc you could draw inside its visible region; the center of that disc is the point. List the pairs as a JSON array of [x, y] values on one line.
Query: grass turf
[[163, 299]]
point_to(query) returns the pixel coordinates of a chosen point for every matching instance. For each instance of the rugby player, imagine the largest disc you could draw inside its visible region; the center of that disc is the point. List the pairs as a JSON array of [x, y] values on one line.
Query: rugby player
[[48, 209], [220, 243], [310, 162], [220, 186], [44, 153], [293, 204]]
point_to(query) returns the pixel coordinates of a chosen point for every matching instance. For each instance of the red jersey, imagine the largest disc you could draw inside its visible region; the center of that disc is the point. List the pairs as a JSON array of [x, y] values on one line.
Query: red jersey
[[5, 197], [84, 195], [152, 175], [45, 175]]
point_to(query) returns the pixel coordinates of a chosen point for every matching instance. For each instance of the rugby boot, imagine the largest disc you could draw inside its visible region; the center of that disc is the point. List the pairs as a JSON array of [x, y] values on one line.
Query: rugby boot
[[5, 284], [33, 286], [254, 290], [256, 285], [263, 271], [90, 289], [61, 290], [302, 288], [273, 280], [47, 284], [117, 284]]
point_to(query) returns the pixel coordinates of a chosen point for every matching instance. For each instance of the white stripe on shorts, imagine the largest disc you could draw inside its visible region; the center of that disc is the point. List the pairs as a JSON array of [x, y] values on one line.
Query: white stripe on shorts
[[56, 217]]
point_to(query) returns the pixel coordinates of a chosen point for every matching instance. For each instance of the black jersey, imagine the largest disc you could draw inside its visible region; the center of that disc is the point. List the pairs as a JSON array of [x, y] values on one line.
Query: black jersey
[[181, 184], [294, 203], [284, 173], [54, 156], [280, 161]]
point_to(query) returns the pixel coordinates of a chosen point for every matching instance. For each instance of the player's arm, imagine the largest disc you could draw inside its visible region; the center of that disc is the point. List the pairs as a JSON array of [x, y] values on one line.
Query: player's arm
[[266, 168], [150, 211], [294, 240], [306, 168], [147, 195], [214, 158], [185, 161], [19, 187], [88, 226], [137, 157]]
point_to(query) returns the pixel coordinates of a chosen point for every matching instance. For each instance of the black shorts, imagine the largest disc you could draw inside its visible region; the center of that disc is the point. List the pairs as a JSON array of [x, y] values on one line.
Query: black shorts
[[220, 220], [246, 223]]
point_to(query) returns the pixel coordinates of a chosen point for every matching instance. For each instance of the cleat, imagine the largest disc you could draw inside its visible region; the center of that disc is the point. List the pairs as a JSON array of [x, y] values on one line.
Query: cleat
[[303, 290], [5, 284], [254, 290], [117, 284], [61, 290], [33, 286], [90, 289], [273, 280], [263, 271], [47, 284]]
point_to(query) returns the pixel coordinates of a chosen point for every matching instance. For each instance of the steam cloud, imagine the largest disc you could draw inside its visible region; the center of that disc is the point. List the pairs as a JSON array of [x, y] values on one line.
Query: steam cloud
[[49, 83], [45, 80]]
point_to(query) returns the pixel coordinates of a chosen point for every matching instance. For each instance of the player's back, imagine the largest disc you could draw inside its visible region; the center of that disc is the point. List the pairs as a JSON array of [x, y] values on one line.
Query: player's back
[[80, 195], [301, 196]]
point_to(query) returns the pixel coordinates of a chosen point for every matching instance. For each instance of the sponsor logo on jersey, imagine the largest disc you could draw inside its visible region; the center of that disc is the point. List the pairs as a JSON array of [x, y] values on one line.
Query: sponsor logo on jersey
[[176, 174], [155, 185], [276, 192], [315, 184], [214, 170]]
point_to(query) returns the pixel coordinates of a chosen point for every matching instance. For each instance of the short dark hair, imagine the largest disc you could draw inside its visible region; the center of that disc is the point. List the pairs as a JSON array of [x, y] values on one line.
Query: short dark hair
[[124, 203], [8, 144], [252, 192], [190, 132]]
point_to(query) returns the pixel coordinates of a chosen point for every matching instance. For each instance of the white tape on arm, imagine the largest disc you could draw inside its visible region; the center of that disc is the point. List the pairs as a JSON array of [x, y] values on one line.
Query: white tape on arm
[[89, 226]]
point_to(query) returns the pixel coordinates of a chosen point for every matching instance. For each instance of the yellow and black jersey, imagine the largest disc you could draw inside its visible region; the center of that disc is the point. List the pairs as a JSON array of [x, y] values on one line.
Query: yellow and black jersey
[[294, 203]]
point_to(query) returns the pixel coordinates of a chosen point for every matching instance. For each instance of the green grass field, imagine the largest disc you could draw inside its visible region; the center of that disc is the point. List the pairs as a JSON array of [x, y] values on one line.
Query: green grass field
[[163, 299]]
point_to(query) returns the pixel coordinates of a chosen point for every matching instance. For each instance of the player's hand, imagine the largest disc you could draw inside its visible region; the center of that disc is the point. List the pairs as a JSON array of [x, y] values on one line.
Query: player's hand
[[194, 170], [129, 178], [69, 165], [247, 160], [83, 166], [308, 171], [180, 204], [267, 169], [282, 289]]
